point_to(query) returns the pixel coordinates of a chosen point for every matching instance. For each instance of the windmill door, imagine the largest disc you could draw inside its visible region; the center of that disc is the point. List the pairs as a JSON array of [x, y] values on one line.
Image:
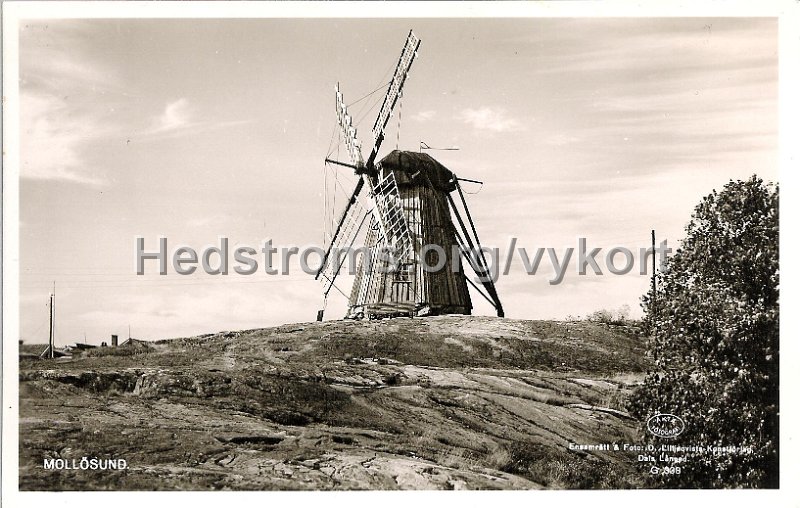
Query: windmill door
[[401, 285]]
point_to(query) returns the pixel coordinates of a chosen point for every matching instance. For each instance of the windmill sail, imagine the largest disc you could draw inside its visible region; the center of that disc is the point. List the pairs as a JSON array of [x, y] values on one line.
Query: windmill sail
[[348, 130], [336, 257], [394, 228], [395, 89], [353, 215], [393, 225], [411, 211]]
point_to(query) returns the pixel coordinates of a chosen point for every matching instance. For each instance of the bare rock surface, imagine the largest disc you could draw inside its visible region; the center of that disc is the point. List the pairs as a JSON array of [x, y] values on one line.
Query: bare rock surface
[[452, 402]]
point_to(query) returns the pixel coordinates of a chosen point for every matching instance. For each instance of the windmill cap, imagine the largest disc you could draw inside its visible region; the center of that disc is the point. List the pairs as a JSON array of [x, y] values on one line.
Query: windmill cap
[[409, 167]]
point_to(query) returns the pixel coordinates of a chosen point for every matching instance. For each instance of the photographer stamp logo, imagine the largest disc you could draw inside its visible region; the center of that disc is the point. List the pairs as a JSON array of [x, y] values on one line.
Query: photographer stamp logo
[[665, 425]]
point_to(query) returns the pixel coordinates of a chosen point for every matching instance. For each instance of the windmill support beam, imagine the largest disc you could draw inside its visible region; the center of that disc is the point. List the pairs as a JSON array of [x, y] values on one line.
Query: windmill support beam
[[484, 295], [465, 253], [481, 271], [490, 288], [465, 250]]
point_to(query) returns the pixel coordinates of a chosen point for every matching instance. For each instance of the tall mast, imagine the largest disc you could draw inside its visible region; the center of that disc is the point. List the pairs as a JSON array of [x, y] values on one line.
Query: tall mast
[[52, 320]]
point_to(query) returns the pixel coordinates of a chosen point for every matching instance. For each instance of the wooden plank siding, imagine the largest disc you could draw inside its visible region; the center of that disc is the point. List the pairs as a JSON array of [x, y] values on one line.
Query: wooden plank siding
[[413, 290]]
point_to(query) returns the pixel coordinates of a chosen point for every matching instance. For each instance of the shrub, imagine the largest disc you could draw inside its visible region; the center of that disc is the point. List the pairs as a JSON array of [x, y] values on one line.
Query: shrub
[[620, 316]]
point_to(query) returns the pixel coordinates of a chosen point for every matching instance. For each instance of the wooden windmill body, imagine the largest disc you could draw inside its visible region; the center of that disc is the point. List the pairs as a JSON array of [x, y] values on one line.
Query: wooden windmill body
[[416, 250], [423, 185]]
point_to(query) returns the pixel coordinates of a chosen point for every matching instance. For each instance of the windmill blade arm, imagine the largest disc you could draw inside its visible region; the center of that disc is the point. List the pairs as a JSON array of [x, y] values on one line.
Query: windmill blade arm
[[395, 89], [339, 227], [340, 163], [333, 271]]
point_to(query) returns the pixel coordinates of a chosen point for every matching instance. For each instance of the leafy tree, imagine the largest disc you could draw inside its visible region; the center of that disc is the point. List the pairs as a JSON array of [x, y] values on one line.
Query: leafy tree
[[714, 325]]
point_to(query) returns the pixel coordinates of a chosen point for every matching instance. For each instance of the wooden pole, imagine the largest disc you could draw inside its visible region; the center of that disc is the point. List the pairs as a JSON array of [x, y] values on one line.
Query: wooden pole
[[52, 329], [653, 303]]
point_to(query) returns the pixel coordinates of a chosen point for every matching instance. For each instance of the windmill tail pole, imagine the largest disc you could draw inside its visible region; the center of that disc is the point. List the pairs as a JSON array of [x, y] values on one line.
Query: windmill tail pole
[[488, 284], [476, 261]]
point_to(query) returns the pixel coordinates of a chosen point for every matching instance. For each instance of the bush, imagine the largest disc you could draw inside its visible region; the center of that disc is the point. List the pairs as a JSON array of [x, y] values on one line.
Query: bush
[[620, 316], [715, 324]]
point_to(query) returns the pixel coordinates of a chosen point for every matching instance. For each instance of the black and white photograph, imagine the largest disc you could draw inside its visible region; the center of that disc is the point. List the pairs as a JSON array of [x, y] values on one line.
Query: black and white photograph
[[405, 248]]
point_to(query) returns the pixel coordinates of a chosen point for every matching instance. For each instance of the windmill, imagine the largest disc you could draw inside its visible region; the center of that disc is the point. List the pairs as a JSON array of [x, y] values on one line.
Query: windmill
[[409, 207]]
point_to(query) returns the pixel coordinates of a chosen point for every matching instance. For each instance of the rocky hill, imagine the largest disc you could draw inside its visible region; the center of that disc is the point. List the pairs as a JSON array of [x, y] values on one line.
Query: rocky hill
[[433, 403]]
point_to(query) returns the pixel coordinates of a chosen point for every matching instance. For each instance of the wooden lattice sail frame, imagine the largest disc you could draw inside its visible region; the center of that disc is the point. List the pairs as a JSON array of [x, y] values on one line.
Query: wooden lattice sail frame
[[412, 209]]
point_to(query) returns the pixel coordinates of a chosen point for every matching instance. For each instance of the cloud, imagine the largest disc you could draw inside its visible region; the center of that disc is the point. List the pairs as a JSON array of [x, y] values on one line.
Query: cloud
[[59, 57], [649, 47], [67, 101], [491, 119], [197, 222], [52, 138], [561, 139], [177, 115], [179, 118], [424, 116]]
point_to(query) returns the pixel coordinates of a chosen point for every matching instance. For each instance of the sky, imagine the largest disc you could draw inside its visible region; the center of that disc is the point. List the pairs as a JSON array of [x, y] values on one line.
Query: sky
[[603, 128]]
